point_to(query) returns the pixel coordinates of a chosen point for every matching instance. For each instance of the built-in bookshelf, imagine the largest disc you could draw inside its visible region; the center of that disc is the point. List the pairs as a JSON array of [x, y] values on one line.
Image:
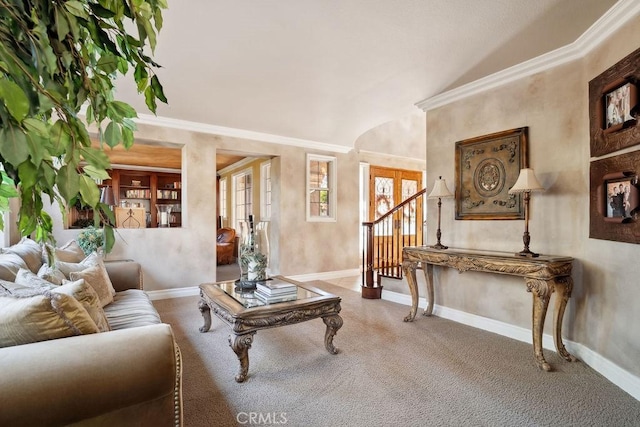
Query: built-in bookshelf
[[139, 189]]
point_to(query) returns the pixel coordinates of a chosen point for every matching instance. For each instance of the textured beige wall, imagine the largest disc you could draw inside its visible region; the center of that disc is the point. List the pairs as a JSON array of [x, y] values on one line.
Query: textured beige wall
[[603, 312], [183, 257], [400, 140]]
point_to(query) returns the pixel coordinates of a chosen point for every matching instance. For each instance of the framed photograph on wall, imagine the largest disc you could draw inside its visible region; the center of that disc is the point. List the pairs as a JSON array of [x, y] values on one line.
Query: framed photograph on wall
[[614, 206], [486, 168], [621, 197], [613, 107], [619, 104]]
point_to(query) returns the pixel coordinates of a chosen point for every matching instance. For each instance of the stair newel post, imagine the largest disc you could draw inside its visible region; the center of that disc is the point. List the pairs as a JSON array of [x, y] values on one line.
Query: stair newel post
[[369, 290]]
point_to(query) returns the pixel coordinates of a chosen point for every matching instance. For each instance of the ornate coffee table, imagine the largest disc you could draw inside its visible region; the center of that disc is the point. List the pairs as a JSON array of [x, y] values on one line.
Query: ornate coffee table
[[246, 314]]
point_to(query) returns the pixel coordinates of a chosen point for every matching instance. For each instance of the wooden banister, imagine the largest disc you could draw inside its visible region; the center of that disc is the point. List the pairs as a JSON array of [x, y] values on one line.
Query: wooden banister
[[384, 238]]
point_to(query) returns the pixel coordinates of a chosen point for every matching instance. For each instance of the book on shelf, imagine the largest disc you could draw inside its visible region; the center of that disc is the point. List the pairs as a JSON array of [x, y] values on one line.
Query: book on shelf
[[275, 298], [276, 287]]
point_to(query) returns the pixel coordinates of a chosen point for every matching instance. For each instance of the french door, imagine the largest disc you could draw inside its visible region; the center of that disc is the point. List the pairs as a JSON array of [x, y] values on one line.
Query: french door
[[388, 188]]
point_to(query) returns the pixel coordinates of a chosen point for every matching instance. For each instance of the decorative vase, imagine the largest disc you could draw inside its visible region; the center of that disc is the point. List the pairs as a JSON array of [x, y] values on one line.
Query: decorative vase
[[164, 215], [253, 252]]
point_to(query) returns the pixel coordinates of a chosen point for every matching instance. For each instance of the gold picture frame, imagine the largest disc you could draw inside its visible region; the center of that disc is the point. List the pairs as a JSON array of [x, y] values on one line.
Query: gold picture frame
[[486, 168]]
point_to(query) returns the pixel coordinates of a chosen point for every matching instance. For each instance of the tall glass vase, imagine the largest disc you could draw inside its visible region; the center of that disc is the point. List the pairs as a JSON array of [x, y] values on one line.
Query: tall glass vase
[[253, 251]]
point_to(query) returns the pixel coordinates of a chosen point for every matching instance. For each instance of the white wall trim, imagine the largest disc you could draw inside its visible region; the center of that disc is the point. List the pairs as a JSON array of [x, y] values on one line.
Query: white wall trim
[[620, 377], [148, 119], [238, 165], [610, 22]]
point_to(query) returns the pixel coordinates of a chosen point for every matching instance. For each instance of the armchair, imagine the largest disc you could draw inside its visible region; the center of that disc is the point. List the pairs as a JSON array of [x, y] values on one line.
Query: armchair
[[225, 243]]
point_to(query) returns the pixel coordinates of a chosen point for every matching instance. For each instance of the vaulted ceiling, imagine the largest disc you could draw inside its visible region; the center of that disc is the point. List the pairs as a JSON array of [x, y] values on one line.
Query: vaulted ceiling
[[329, 70]]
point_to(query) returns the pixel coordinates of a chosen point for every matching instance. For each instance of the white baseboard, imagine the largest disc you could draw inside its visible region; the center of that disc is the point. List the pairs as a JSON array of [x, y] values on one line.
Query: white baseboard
[[618, 376]]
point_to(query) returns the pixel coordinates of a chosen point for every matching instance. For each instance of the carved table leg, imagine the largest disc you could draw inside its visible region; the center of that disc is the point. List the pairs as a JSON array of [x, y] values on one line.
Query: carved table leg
[[563, 287], [409, 269], [428, 277], [206, 313], [541, 293], [241, 345], [333, 322]]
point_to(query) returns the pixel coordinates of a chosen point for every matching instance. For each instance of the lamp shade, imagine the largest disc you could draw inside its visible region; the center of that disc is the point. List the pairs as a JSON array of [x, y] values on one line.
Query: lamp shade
[[527, 181], [106, 196], [440, 189]]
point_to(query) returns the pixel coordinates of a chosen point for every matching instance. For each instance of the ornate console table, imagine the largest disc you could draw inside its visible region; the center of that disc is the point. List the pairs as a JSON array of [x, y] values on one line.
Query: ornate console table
[[543, 275]]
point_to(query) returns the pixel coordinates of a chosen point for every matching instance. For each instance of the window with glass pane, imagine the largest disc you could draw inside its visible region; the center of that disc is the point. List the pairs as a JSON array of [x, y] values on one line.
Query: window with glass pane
[[223, 198], [409, 188], [383, 204], [242, 200], [321, 188], [265, 193]]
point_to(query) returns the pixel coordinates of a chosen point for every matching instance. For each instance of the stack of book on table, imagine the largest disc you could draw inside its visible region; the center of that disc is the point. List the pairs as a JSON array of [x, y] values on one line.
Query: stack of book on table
[[276, 290]]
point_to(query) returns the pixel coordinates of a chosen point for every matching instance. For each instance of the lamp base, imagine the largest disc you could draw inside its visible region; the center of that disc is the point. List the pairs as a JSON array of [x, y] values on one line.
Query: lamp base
[[527, 253], [439, 246]]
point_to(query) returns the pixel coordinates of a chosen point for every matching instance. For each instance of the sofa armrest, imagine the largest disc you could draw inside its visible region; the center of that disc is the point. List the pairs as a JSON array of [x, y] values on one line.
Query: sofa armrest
[[124, 274], [93, 377]]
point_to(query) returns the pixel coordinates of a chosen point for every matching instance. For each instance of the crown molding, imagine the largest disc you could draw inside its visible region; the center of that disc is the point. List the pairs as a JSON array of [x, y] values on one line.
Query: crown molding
[[609, 23], [238, 165], [147, 119]]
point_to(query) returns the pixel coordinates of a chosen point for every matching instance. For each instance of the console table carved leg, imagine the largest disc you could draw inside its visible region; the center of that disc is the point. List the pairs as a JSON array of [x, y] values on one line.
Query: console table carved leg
[[563, 287], [206, 314], [541, 292], [428, 277], [241, 345], [333, 322], [409, 269]]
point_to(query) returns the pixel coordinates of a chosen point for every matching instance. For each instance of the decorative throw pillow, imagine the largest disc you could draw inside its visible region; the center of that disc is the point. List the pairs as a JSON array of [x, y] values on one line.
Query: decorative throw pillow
[[34, 315], [8, 288], [51, 274], [27, 278], [67, 267], [89, 299], [69, 252], [29, 250], [10, 263], [98, 278]]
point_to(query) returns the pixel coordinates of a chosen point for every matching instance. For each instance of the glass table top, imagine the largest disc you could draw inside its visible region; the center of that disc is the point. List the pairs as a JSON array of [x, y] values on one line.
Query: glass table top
[[248, 297]]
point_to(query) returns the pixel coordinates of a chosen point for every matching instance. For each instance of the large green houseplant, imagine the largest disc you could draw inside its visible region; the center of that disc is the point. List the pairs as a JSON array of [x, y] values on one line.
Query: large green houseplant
[[59, 59]]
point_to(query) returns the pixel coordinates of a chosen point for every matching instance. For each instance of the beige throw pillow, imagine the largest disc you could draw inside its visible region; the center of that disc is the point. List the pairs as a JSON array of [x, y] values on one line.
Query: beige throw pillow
[[98, 278], [51, 274], [67, 267], [69, 252], [89, 299], [8, 288], [37, 314], [27, 278], [29, 250], [10, 263]]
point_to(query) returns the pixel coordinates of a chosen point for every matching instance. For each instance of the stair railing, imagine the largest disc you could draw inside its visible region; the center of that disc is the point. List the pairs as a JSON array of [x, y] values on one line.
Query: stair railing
[[384, 239]]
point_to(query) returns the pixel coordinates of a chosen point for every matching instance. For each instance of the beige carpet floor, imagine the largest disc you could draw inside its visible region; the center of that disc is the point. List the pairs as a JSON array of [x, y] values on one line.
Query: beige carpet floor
[[431, 372]]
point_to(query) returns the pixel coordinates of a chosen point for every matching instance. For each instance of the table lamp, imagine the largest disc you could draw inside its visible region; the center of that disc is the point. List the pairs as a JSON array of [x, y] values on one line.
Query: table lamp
[[439, 191], [526, 183]]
